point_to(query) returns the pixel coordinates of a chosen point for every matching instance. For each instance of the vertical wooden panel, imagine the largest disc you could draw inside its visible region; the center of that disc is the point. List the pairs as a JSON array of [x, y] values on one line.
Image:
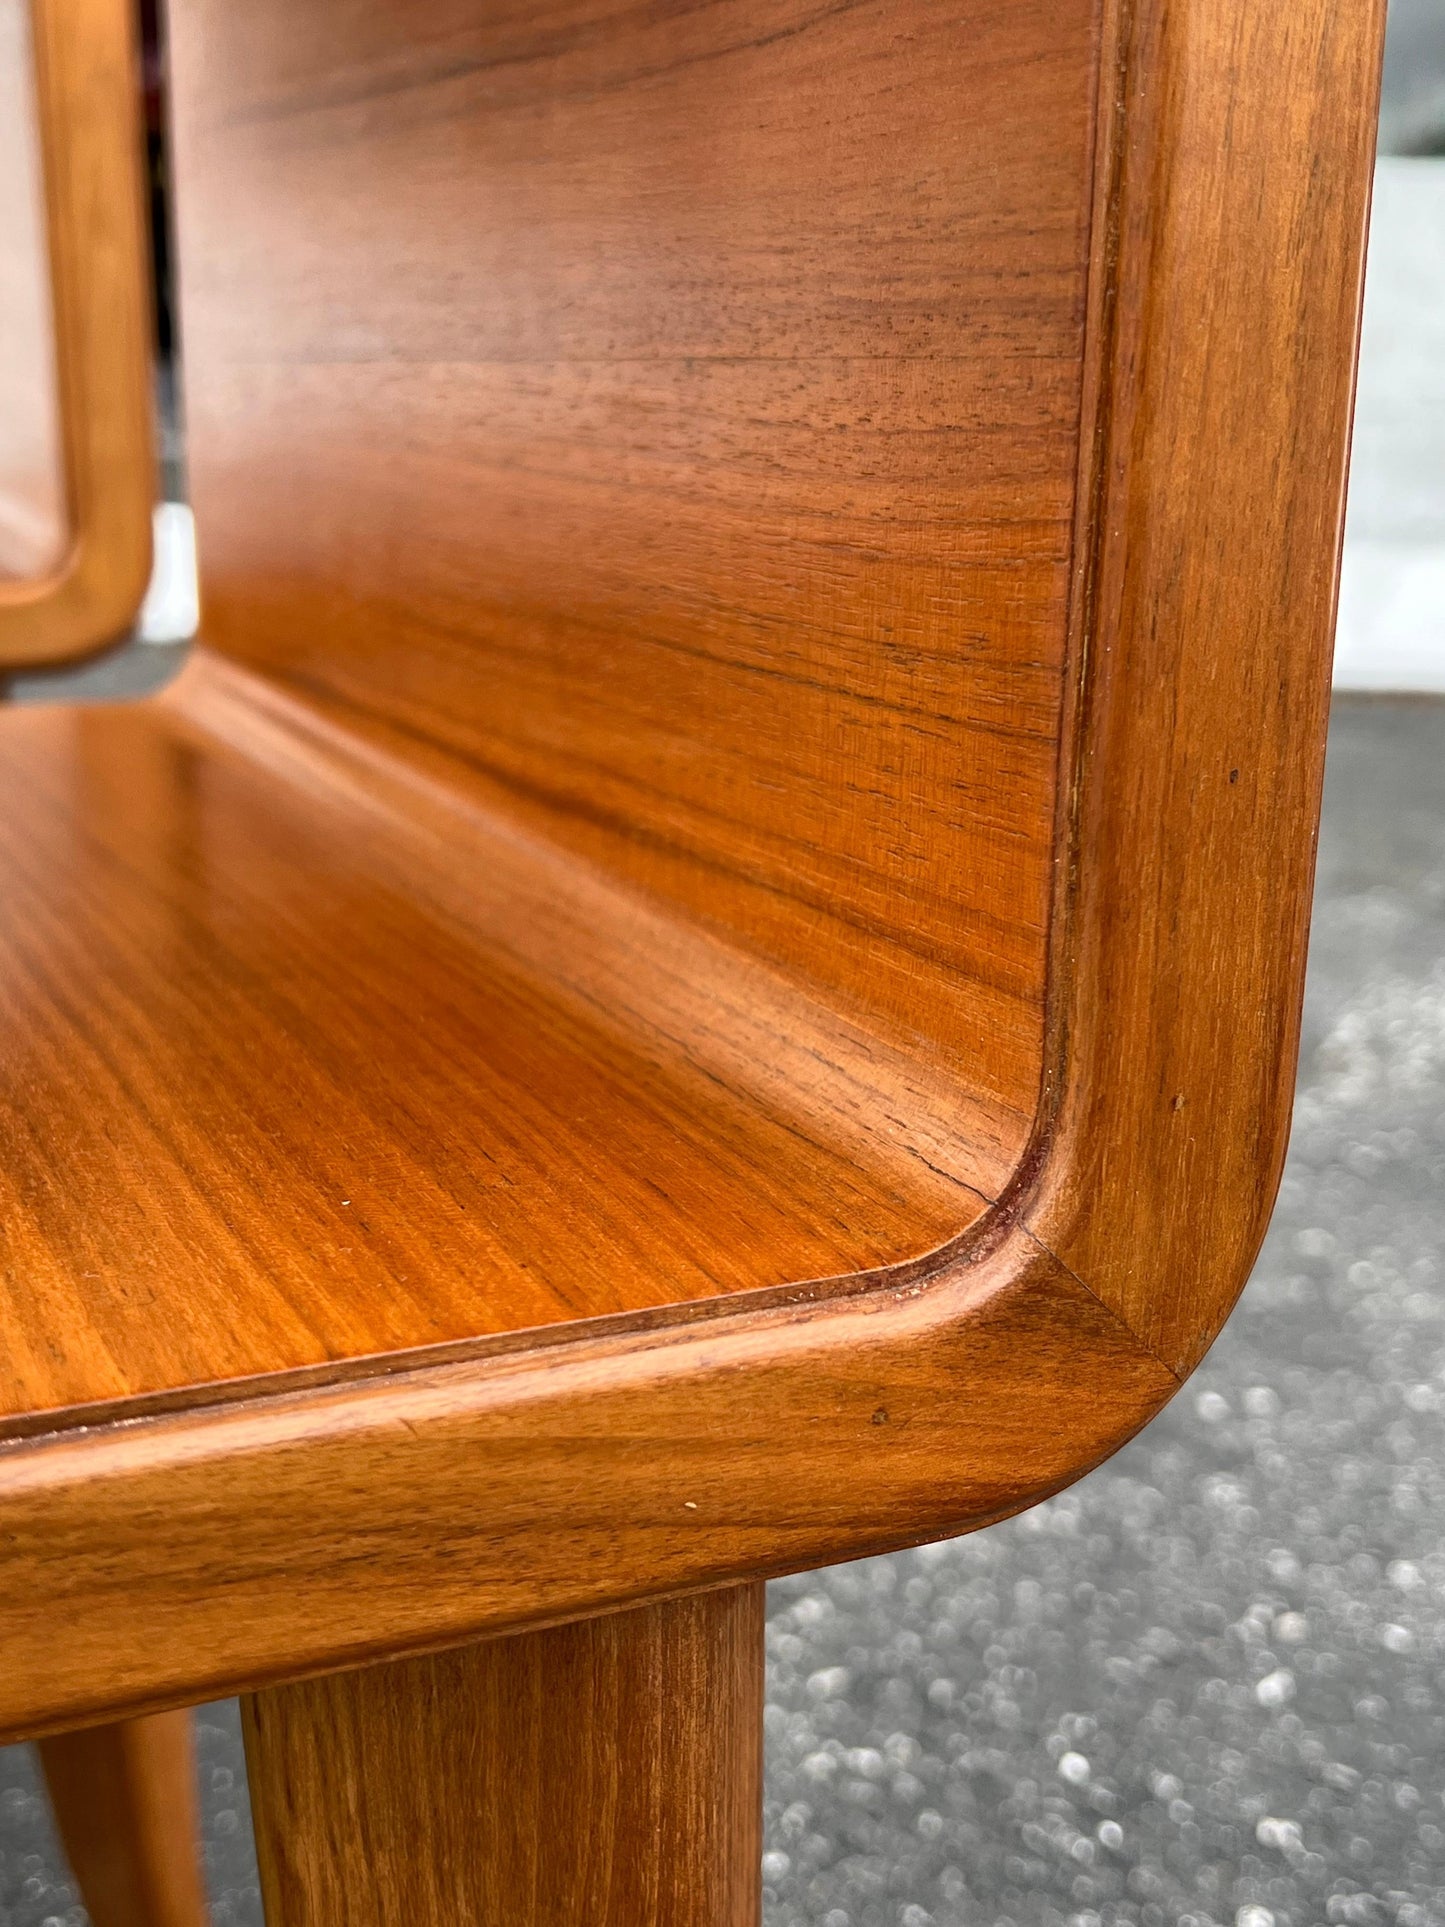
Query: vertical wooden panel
[[1237, 246], [608, 1772], [64, 599], [32, 488], [670, 414]]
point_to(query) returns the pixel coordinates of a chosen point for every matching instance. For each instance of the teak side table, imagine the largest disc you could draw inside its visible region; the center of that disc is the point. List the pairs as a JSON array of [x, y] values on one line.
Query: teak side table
[[701, 974]]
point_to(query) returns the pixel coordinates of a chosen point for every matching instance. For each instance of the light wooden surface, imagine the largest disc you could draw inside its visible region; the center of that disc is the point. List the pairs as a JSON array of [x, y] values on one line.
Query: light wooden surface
[[32, 478], [672, 414], [343, 1068], [301, 887], [88, 562], [126, 1806], [607, 1773], [196, 1553]]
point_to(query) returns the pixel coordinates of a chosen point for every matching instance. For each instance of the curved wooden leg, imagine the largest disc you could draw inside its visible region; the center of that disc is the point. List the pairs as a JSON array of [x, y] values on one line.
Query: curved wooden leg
[[126, 1808], [608, 1773]]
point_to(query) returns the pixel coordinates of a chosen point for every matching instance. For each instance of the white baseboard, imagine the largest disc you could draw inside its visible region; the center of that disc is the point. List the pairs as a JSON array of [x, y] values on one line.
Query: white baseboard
[[1392, 601], [1391, 631]]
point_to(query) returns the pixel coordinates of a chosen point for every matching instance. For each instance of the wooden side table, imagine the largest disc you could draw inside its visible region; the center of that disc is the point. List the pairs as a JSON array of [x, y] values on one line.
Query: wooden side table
[[701, 976]]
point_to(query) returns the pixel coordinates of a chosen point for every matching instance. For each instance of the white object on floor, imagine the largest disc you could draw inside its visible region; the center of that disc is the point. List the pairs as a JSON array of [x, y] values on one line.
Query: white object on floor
[[171, 610], [1391, 631]]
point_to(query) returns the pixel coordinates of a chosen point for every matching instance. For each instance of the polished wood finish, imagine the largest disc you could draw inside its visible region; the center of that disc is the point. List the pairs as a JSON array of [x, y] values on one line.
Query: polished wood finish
[[295, 860], [32, 481], [609, 1772], [126, 1807], [395, 1073], [1208, 579], [89, 565], [698, 470]]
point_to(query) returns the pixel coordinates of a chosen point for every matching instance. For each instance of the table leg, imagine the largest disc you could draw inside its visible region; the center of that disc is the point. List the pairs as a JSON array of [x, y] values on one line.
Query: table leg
[[608, 1772], [126, 1808]]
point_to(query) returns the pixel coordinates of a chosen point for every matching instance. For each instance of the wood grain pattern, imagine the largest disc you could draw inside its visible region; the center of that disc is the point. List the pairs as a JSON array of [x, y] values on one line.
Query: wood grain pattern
[[32, 481], [1215, 509], [420, 1501], [609, 1772], [343, 1068], [126, 1807], [88, 93], [281, 1536], [699, 472]]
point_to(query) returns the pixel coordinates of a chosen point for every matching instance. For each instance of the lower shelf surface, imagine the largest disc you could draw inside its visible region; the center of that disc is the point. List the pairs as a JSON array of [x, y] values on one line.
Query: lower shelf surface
[[307, 1060]]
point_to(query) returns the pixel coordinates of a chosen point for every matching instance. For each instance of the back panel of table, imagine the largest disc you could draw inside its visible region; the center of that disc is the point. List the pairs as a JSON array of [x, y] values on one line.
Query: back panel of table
[[669, 414]]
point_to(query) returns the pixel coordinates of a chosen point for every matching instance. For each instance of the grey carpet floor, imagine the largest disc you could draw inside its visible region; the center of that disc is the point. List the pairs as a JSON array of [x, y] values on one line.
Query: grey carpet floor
[[1208, 1684]]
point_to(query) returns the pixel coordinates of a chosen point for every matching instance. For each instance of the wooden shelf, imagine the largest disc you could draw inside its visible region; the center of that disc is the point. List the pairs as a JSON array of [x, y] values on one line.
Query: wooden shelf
[[311, 1058]]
